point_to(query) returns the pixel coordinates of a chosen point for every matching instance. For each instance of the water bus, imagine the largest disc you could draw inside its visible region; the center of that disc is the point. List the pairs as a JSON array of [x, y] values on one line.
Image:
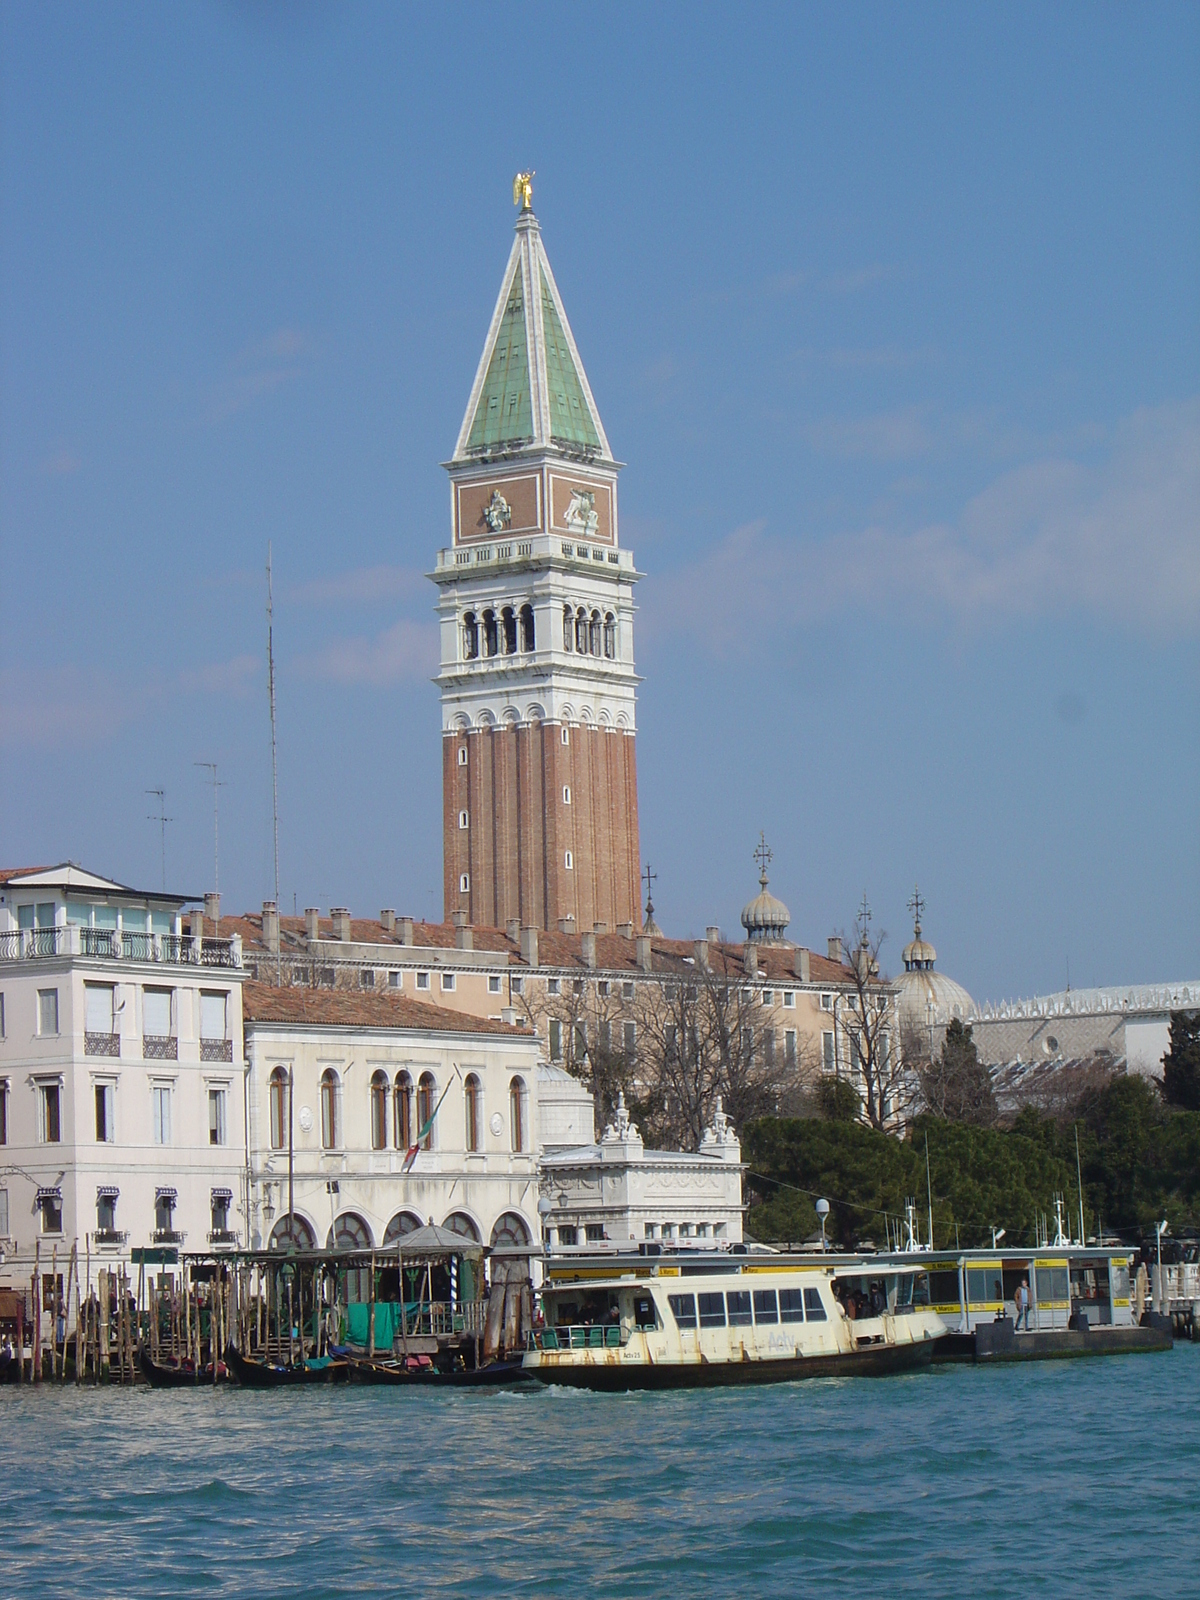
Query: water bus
[[624, 1321]]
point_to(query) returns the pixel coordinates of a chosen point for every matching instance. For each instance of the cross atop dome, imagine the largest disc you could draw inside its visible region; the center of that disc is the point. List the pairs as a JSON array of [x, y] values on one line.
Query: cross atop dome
[[530, 392]]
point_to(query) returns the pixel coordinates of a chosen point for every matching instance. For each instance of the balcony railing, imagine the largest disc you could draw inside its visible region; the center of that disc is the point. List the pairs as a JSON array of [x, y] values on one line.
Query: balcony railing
[[102, 1044], [160, 1047], [227, 1236], [216, 1049], [112, 944], [167, 1236], [110, 1236]]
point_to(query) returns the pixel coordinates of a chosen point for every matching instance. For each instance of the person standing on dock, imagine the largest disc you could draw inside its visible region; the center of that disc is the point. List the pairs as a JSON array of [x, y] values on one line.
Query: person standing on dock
[[1022, 1299]]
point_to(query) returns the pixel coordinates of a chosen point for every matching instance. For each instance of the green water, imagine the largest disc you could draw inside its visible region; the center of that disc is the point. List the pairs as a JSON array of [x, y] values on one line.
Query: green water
[[1076, 1478]]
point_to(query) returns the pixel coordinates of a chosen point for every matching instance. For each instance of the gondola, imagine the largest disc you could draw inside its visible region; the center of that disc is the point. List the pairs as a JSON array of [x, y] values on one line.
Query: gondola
[[496, 1375], [252, 1373], [170, 1375]]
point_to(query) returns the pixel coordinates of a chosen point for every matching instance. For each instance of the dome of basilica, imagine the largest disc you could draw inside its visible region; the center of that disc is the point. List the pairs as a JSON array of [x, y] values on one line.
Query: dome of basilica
[[765, 918], [928, 997]]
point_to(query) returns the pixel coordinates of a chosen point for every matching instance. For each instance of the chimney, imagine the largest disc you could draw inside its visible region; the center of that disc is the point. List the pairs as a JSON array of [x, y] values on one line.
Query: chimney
[[340, 917], [464, 939], [270, 926], [700, 952], [800, 964], [750, 959], [212, 909], [713, 934], [566, 925], [529, 946], [599, 928], [645, 955], [508, 1014], [625, 929], [835, 949], [512, 930], [588, 941], [406, 933], [312, 924], [388, 919]]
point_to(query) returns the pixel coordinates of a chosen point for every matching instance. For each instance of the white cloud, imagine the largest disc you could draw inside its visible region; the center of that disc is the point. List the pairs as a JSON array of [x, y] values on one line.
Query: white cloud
[[405, 650], [888, 436], [1118, 539], [257, 370]]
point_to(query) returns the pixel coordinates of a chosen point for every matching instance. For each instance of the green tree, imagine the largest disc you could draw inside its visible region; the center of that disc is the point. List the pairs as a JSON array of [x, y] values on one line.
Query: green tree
[[1181, 1064], [957, 1086], [838, 1100]]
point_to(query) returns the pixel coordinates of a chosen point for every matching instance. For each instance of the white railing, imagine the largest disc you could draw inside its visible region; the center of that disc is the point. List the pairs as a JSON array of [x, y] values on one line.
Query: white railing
[[112, 944]]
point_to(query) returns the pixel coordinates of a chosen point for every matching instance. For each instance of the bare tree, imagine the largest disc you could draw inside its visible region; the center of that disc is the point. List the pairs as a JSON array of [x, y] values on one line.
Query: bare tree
[[871, 1026]]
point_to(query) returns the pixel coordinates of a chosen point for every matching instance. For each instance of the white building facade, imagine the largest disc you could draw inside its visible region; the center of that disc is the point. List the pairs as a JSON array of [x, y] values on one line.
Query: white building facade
[[121, 1085]]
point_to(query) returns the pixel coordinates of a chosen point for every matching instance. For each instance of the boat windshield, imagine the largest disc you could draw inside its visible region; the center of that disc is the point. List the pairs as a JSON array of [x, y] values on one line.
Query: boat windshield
[[871, 1294]]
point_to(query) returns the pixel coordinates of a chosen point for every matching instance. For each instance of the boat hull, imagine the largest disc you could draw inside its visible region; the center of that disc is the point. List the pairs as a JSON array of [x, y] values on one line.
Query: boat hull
[[497, 1375], [608, 1373], [160, 1376], [260, 1375]]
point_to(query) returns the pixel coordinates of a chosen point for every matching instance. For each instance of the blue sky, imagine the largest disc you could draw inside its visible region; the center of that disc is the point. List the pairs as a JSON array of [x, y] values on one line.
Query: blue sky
[[892, 313]]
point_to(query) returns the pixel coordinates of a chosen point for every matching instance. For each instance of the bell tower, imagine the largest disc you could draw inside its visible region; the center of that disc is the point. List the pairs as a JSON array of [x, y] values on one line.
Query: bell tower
[[535, 600]]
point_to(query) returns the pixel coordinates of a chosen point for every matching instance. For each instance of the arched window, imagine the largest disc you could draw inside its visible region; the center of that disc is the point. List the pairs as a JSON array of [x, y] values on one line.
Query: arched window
[[279, 1108], [473, 1091], [379, 1121], [459, 1222], [470, 637], [581, 631], [510, 1229], [403, 1222], [292, 1233], [610, 635], [349, 1232], [330, 1131], [402, 1111], [509, 643], [527, 632], [426, 1100], [516, 1112], [594, 633], [490, 642], [568, 628]]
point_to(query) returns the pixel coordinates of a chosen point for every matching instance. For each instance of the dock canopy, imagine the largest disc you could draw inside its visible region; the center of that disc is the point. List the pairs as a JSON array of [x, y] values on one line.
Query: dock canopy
[[434, 1241]]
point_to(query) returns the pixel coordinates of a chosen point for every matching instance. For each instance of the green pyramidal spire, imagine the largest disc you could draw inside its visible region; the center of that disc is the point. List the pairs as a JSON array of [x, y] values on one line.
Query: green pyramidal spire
[[530, 392]]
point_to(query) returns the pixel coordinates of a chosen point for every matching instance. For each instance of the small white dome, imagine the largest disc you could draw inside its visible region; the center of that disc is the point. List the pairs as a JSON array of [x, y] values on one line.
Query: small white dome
[[928, 997], [765, 918]]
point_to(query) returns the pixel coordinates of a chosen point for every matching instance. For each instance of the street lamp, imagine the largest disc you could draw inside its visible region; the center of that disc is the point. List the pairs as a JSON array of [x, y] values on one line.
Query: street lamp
[[997, 1235], [545, 1208], [822, 1213]]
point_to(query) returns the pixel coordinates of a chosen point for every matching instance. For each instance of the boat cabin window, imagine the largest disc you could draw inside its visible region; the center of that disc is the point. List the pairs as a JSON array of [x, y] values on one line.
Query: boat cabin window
[[737, 1303], [791, 1305], [683, 1309], [943, 1287], [985, 1285], [766, 1307], [643, 1312], [712, 1310], [814, 1306], [1089, 1280]]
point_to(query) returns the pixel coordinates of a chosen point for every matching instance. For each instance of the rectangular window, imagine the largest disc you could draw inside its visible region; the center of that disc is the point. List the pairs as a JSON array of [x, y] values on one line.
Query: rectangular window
[[160, 1106], [814, 1306], [630, 1040], [3, 1213], [51, 1114], [47, 1011], [789, 1000], [712, 1310], [566, 794], [553, 986], [517, 985], [395, 980], [683, 1309], [766, 1309], [791, 1305], [464, 883], [627, 991], [789, 1047], [602, 988], [422, 980], [493, 983], [569, 861], [105, 1133], [464, 819], [216, 1116], [738, 1305], [595, 1232], [447, 981], [366, 977], [156, 1013], [51, 1205], [555, 1039], [567, 1234], [826, 1002], [106, 1213], [768, 997], [1, 1016], [827, 1051], [213, 1009], [3, 1118]]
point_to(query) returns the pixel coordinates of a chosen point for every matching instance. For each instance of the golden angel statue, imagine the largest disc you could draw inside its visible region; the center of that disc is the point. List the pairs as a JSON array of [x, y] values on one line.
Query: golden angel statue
[[523, 190]]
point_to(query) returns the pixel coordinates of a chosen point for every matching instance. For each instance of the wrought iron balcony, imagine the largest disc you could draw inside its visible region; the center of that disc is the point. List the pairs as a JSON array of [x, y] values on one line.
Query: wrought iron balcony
[[216, 1049], [112, 944], [102, 1044], [109, 1236], [227, 1236], [160, 1047], [167, 1236]]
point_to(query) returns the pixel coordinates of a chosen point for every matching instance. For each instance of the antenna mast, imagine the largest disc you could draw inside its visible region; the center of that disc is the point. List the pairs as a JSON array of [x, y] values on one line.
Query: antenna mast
[[274, 758], [216, 784], [162, 819]]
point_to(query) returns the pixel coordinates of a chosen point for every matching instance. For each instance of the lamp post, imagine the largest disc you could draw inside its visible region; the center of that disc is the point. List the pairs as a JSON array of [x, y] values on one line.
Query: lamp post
[[544, 1210], [822, 1213]]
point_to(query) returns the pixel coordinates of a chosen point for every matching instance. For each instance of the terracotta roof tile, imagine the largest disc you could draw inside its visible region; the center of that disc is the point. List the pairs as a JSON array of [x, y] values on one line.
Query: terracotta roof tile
[[347, 1008]]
